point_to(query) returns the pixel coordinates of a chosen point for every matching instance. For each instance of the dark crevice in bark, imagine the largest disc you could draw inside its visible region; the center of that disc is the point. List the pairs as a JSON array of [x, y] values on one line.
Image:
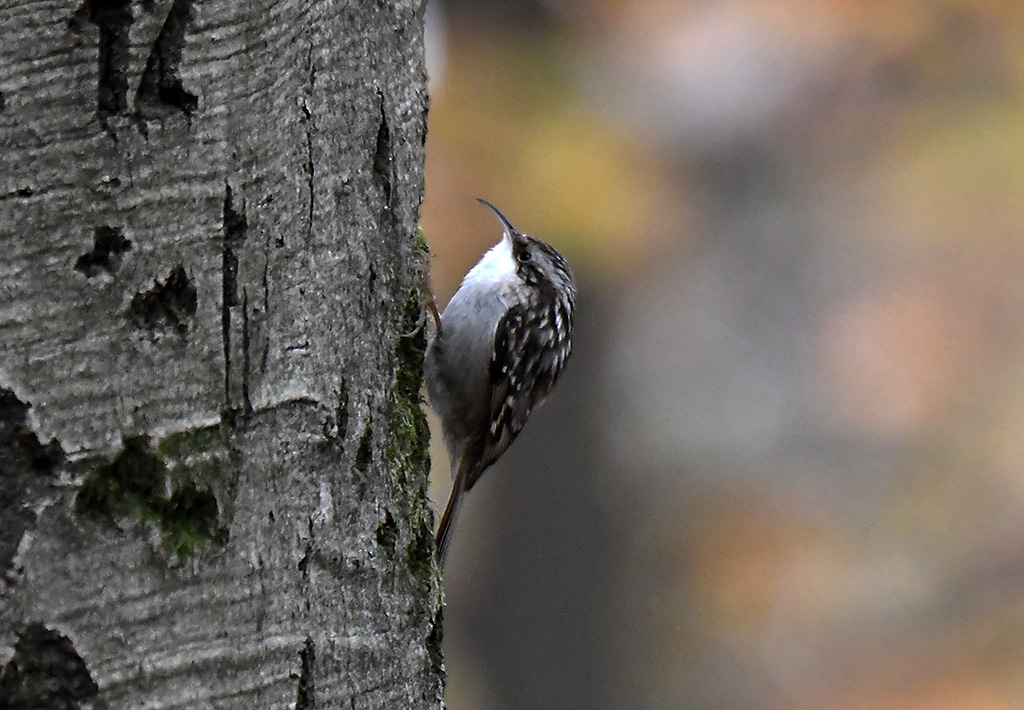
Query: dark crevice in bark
[[341, 414], [385, 179], [161, 90], [422, 550], [45, 672], [305, 696], [236, 228], [168, 306], [113, 18], [387, 533], [25, 463], [246, 358], [383, 159], [364, 454], [265, 355], [303, 563], [109, 244], [433, 643], [310, 163], [262, 599]]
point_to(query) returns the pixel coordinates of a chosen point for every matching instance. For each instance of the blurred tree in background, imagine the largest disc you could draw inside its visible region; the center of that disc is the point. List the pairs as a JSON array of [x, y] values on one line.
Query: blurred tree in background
[[786, 465]]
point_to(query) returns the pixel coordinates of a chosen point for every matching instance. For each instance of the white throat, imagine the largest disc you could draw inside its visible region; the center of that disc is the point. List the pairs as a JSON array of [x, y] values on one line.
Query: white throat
[[496, 268]]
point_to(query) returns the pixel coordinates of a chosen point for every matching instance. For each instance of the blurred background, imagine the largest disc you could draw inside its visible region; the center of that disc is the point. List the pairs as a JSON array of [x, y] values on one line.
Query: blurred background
[[785, 467]]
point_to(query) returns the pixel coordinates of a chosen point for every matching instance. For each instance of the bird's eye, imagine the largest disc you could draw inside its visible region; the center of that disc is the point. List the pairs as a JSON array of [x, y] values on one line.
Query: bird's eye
[[525, 255]]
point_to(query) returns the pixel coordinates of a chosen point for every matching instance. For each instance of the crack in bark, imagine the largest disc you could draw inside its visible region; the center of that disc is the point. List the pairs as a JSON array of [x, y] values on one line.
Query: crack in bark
[[341, 413], [310, 127], [19, 193], [236, 228], [383, 167], [246, 360], [364, 453], [387, 532], [261, 606], [113, 18], [161, 89], [306, 694], [303, 563], [265, 355], [384, 178], [433, 642]]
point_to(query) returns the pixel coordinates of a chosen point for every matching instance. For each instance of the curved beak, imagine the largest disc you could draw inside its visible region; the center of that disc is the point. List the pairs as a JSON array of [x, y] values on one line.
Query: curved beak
[[510, 231]]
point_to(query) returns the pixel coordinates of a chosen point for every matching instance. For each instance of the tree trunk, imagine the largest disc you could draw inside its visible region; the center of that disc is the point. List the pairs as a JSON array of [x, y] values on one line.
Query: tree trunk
[[212, 455]]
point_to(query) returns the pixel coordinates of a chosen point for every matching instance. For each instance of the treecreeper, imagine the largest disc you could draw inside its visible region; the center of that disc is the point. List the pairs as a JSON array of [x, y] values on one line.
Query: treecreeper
[[498, 350]]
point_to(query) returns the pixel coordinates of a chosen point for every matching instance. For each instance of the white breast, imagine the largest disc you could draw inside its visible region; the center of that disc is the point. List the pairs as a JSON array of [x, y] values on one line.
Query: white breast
[[469, 323], [474, 311]]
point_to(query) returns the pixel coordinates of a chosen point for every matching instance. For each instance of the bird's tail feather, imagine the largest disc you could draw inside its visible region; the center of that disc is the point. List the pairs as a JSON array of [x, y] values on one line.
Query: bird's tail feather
[[451, 511], [444, 530]]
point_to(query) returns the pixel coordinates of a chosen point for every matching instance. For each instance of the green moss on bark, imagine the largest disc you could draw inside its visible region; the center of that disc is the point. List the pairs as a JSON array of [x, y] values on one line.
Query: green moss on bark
[[174, 485], [408, 452]]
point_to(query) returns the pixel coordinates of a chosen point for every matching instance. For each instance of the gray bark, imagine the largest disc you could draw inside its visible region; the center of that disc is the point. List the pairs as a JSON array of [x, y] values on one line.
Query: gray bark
[[212, 455]]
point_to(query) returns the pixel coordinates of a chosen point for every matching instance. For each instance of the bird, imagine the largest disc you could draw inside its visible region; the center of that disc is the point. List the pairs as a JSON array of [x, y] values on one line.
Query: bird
[[496, 353]]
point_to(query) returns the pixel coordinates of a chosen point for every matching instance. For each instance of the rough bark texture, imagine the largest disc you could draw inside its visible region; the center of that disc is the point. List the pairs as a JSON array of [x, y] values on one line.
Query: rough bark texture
[[212, 457]]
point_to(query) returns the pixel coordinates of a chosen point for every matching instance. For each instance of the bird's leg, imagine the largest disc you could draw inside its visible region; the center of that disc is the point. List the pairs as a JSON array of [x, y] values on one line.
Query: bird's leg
[[429, 303]]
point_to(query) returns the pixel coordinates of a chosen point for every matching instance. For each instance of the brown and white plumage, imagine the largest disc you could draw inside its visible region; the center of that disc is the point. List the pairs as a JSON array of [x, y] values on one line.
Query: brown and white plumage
[[502, 344]]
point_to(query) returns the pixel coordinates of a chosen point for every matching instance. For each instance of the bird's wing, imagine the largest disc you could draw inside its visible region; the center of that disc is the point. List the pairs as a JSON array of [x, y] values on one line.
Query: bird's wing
[[523, 370]]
